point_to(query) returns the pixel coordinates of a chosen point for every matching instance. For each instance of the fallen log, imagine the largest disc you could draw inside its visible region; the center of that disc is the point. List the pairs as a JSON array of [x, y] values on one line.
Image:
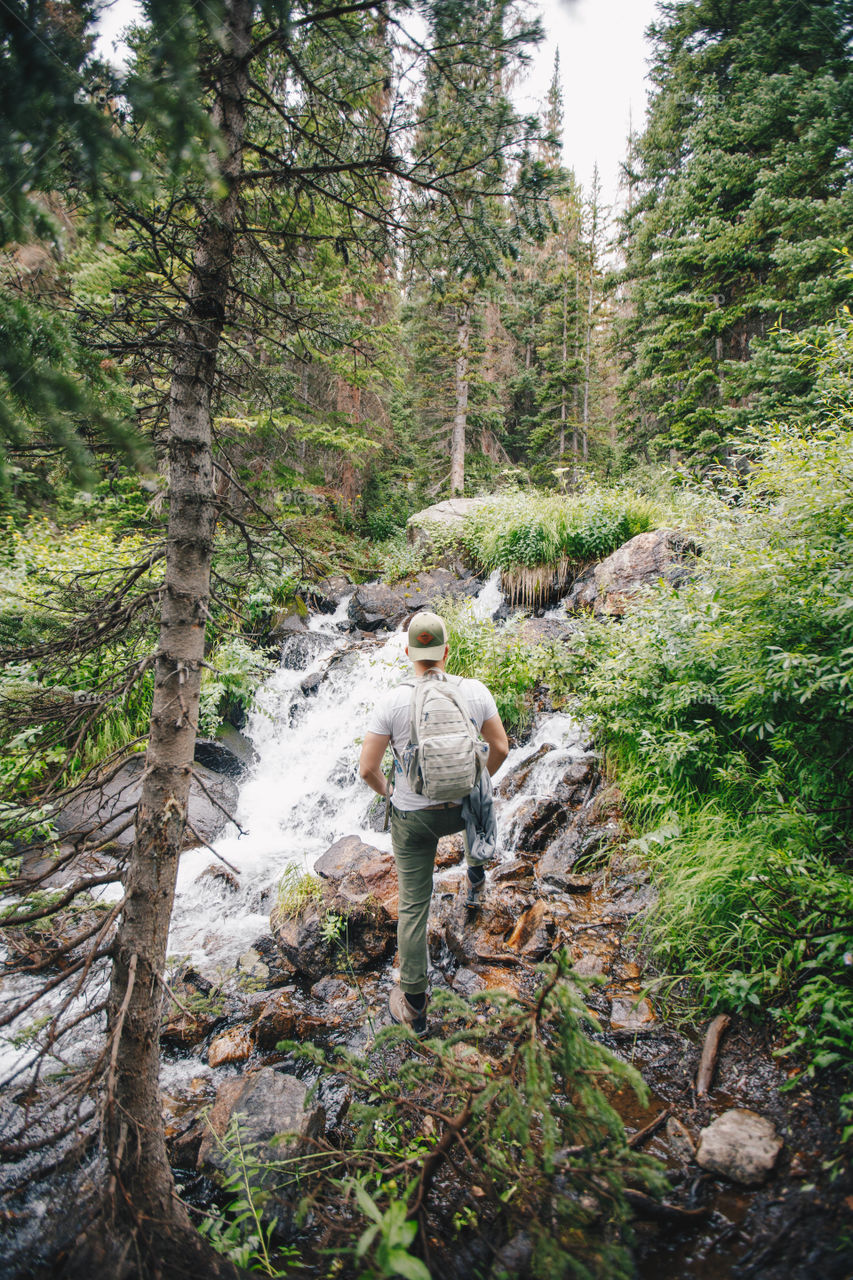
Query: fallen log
[[710, 1050], [640, 1136]]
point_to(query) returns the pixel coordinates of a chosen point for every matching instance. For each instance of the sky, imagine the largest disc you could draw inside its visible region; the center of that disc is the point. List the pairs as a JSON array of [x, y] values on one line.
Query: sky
[[603, 64]]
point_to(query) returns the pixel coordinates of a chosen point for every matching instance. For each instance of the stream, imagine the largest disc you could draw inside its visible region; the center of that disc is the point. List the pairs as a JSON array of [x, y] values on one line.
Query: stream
[[302, 794]]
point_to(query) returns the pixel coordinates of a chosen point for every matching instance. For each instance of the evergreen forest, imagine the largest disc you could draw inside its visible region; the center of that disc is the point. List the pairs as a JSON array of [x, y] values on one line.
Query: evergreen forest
[[301, 304]]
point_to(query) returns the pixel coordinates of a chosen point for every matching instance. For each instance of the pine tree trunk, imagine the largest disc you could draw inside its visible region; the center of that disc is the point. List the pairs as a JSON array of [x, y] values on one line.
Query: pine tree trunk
[[460, 420], [564, 351], [143, 1193]]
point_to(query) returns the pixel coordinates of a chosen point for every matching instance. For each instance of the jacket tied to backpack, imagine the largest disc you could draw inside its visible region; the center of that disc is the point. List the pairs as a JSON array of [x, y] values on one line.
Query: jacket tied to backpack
[[445, 755]]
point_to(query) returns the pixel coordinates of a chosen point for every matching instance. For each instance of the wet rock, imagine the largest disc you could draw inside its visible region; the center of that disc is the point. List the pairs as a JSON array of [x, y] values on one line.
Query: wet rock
[[332, 989], [312, 682], [237, 743], [629, 1015], [537, 821], [265, 1103], [376, 605], [532, 934], [279, 1018], [191, 1011], [219, 875], [287, 621], [326, 595], [678, 1140], [470, 936], [741, 1145], [513, 872], [110, 805], [513, 782], [358, 874], [233, 1045], [300, 648], [367, 931], [342, 857], [218, 755], [609, 587], [554, 868], [596, 843], [264, 965], [631, 894]]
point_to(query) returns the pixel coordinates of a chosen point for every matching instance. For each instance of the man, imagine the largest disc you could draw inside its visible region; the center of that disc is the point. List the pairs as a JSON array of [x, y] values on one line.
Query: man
[[417, 824]]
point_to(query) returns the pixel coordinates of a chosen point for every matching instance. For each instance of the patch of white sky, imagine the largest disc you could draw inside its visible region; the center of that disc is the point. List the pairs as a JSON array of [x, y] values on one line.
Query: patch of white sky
[[603, 67], [604, 62]]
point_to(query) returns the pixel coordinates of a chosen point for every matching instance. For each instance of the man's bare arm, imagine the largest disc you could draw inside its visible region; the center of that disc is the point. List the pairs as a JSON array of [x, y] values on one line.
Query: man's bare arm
[[370, 764], [495, 735]]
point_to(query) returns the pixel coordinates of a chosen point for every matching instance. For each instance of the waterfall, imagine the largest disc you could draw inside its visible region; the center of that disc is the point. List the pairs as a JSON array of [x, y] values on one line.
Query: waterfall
[[301, 794]]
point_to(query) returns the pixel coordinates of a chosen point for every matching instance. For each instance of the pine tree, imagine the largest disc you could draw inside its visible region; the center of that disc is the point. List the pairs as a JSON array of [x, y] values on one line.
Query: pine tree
[[472, 233], [743, 199]]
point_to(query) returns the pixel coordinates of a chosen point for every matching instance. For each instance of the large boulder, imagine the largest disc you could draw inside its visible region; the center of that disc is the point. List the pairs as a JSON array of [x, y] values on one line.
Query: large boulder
[[273, 1115], [360, 889], [327, 594], [609, 587], [375, 605], [442, 519], [741, 1145], [109, 804]]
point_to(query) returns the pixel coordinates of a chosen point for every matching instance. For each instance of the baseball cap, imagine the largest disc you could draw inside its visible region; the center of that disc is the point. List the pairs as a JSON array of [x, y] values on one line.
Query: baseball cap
[[427, 637]]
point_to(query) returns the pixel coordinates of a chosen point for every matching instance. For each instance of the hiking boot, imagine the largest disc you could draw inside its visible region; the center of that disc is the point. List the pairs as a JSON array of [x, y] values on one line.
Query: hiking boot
[[405, 1014], [476, 885]]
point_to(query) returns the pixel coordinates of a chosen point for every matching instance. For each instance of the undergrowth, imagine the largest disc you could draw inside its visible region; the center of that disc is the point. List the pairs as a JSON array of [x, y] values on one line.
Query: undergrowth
[[726, 711]]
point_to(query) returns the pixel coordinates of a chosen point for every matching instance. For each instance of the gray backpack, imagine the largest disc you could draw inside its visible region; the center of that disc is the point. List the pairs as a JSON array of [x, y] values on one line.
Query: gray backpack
[[445, 757]]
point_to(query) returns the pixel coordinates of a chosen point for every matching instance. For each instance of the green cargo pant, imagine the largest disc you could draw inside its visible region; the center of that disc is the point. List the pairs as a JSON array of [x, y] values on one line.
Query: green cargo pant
[[414, 839]]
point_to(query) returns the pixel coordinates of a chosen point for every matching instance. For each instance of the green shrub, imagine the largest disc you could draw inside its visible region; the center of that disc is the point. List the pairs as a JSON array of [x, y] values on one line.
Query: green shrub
[[534, 528], [233, 674], [498, 1125], [511, 669], [296, 889], [726, 709]]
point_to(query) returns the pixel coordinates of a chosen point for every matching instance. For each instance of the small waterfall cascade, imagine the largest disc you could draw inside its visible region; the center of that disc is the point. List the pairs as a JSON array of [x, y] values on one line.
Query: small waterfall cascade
[[303, 793]]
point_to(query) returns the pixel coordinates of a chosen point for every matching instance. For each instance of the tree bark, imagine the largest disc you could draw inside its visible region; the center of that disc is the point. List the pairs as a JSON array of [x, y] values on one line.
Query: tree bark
[[460, 419], [142, 1192]]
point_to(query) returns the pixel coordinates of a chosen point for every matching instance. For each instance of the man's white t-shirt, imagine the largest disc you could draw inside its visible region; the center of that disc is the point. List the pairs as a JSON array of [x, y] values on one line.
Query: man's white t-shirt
[[392, 717]]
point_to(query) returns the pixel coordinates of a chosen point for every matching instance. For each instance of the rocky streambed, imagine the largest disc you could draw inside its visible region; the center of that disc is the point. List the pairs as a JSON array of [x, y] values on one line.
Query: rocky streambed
[[745, 1160], [254, 961]]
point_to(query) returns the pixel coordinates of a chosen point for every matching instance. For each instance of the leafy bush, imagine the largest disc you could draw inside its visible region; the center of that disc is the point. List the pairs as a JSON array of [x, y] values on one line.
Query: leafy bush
[[511, 670], [232, 676], [534, 528], [506, 1114], [726, 708]]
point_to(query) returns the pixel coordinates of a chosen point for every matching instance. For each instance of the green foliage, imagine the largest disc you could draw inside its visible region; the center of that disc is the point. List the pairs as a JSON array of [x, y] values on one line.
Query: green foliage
[[295, 890], [388, 1238], [511, 670], [726, 707], [508, 1108], [531, 529], [233, 674], [244, 1232]]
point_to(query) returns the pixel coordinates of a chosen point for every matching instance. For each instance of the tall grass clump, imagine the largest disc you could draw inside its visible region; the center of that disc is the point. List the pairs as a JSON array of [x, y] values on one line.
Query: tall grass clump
[[523, 530], [540, 541], [726, 711]]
